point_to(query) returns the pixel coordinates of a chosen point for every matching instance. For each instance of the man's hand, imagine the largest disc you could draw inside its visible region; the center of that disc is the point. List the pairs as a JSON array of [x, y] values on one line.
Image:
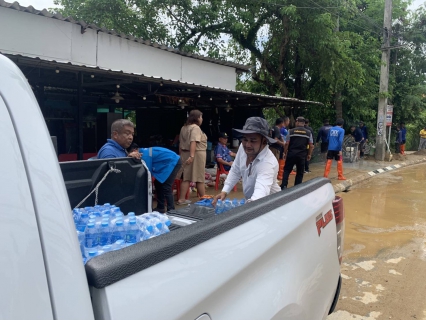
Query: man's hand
[[308, 157], [230, 163], [220, 196], [135, 154], [284, 156]]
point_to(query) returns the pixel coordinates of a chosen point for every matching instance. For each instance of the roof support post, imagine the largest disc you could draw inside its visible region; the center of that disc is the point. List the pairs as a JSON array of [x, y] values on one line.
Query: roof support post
[[80, 117]]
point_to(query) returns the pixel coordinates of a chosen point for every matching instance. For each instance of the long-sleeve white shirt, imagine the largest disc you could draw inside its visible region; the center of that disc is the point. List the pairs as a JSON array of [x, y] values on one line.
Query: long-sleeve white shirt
[[259, 177]]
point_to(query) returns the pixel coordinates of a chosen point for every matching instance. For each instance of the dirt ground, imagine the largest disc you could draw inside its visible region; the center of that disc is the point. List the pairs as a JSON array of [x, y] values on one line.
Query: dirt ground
[[384, 264]]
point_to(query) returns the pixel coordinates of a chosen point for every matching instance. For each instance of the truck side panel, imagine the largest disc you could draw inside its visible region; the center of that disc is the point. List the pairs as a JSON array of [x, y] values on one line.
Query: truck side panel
[[69, 292], [275, 266], [24, 293]]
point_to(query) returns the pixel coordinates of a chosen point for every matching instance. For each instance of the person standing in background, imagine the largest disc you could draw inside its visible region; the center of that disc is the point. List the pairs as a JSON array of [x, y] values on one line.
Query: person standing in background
[[277, 147], [398, 140], [309, 146], [284, 132], [192, 150], [335, 142], [296, 151], [364, 131], [422, 144], [404, 133], [323, 136]]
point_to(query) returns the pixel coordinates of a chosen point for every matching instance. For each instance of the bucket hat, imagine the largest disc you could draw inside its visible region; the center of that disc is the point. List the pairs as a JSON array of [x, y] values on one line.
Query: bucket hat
[[257, 125]]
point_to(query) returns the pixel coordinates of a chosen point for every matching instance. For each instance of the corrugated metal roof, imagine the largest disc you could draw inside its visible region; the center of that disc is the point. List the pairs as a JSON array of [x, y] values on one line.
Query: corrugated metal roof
[[55, 63], [30, 9]]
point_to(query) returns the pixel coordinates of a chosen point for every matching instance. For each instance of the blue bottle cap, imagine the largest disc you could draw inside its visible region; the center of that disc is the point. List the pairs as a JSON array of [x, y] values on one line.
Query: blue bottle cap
[[131, 214], [119, 223], [107, 204], [87, 208], [131, 221], [97, 206], [105, 223], [84, 214], [92, 253], [90, 225]]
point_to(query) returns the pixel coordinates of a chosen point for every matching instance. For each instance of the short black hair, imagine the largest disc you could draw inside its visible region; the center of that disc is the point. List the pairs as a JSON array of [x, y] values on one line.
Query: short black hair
[[340, 122], [132, 146], [279, 121], [286, 118], [306, 120], [326, 121]]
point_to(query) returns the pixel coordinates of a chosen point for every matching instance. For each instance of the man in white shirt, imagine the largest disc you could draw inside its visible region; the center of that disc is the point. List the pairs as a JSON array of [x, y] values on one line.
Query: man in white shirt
[[255, 163]]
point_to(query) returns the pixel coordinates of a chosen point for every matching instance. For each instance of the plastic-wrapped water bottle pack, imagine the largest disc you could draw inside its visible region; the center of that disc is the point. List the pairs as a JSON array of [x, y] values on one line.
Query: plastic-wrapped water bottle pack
[[223, 206], [104, 228]]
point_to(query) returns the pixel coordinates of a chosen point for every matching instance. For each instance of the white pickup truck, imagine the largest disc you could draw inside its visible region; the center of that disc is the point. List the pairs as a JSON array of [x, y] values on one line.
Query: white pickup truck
[[275, 258]]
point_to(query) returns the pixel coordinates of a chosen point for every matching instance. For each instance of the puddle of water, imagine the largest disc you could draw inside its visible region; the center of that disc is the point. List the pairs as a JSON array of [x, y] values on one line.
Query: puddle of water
[[386, 211]]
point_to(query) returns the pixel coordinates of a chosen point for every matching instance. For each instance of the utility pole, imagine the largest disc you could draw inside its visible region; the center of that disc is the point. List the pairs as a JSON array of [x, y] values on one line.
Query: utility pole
[[384, 81]]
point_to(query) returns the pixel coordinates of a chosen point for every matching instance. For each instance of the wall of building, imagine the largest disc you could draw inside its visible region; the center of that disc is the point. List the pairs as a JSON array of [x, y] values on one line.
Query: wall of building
[[37, 36]]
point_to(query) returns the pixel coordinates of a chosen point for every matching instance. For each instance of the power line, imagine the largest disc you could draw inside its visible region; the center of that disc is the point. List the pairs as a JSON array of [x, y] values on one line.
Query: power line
[[369, 30]]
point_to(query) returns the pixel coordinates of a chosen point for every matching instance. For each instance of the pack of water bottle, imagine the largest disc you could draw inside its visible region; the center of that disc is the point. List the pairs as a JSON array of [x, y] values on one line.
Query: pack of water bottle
[[227, 204], [105, 228]]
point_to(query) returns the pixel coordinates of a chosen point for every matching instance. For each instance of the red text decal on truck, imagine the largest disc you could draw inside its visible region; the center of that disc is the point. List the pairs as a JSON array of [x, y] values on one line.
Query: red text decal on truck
[[323, 221]]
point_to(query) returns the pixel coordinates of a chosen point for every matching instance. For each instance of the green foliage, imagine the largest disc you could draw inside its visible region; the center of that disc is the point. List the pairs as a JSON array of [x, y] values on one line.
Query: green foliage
[[322, 50]]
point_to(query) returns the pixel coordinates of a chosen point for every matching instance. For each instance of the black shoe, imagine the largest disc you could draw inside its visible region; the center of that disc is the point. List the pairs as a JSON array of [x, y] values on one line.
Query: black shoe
[[159, 210], [283, 188]]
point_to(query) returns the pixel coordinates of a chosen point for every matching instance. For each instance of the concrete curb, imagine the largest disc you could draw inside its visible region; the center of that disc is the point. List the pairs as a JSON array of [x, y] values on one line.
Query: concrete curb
[[345, 185]]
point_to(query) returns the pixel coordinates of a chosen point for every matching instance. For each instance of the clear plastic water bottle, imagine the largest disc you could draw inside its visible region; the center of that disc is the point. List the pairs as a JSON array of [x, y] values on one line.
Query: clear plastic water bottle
[[227, 205], [90, 236], [104, 233], [163, 218], [235, 203], [80, 236], [91, 254], [82, 222], [132, 233], [219, 207], [144, 233], [107, 248], [119, 232], [118, 245]]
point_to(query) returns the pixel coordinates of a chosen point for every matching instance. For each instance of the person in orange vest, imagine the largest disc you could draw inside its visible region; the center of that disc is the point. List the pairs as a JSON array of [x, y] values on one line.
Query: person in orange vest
[[335, 141]]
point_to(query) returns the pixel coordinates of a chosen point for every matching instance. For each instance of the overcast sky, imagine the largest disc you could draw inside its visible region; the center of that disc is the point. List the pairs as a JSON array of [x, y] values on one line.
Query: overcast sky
[[44, 4]]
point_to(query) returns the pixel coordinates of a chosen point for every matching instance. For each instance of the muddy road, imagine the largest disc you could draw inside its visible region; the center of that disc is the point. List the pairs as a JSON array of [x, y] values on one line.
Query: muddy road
[[384, 263]]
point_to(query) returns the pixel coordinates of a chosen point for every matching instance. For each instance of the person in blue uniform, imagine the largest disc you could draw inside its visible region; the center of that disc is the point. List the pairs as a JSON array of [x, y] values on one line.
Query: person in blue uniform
[[403, 133], [222, 154], [323, 137], [358, 137], [364, 132], [335, 142]]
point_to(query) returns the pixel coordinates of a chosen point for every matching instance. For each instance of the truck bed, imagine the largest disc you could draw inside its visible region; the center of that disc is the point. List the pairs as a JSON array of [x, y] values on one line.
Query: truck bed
[[263, 260]]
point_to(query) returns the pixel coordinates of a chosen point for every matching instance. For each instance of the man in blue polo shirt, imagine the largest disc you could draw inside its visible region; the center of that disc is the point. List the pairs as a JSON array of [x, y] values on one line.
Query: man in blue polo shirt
[[335, 141], [122, 132], [222, 154]]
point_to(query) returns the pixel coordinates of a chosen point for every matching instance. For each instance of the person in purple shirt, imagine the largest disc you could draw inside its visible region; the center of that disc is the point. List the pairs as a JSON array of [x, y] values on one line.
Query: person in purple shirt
[[335, 142], [122, 132], [222, 154]]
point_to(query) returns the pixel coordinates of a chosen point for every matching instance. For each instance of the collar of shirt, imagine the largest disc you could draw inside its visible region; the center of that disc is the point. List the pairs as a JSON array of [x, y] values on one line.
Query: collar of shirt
[[116, 145]]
